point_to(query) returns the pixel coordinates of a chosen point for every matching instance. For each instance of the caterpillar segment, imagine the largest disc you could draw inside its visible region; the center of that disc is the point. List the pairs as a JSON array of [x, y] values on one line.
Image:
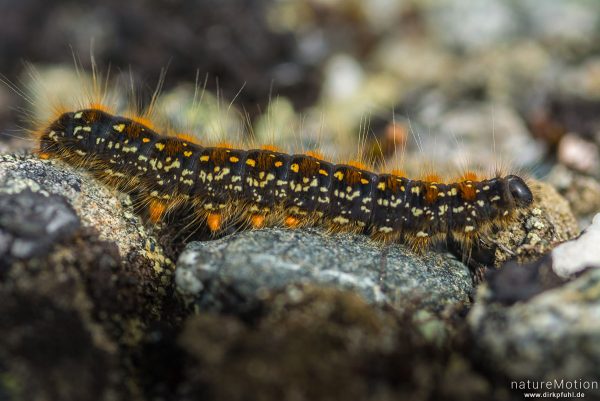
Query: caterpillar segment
[[266, 187]]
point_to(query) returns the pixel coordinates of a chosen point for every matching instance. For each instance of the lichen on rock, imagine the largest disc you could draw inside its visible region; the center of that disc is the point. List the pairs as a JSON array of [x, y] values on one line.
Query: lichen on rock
[[240, 267]]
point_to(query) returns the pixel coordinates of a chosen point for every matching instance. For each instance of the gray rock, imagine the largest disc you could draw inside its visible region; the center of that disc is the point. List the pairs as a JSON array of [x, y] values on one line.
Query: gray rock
[[95, 205], [31, 222], [574, 256], [247, 264], [554, 335]]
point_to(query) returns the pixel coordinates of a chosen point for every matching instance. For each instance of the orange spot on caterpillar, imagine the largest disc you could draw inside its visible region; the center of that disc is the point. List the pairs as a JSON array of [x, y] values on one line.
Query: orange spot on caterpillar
[[291, 222], [467, 190], [399, 173], [143, 121], [134, 129], [469, 176], [315, 154], [353, 176], [308, 166], [257, 220], [431, 192], [272, 148], [264, 161], [214, 221], [187, 137], [392, 183], [157, 210], [173, 146], [44, 155], [219, 155], [225, 145], [358, 164], [101, 107], [432, 178]]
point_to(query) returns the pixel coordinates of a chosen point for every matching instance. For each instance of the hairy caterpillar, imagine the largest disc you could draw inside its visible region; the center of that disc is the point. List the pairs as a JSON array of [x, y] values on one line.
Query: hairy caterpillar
[[264, 187]]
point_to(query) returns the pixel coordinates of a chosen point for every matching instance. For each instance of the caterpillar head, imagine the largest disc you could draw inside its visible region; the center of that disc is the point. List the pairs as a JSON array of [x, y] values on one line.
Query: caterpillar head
[[519, 191]]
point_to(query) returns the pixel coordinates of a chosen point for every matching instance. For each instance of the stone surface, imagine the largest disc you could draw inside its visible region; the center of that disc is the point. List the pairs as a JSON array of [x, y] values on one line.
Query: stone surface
[[81, 287], [97, 206], [53, 345], [31, 222], [581, 191], [311, 343], [242, 266], [554, 335], [574, 256]]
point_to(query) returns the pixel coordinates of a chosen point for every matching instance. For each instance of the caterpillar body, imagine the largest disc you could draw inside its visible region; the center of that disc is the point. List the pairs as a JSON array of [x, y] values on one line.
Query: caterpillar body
[[265, 187]]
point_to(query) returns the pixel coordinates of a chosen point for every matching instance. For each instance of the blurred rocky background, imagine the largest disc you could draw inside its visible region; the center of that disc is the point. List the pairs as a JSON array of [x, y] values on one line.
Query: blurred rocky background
[[96, 304]]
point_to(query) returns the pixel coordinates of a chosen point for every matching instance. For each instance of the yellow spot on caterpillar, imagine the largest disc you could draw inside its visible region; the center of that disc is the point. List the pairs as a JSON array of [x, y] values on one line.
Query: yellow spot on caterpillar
[[416, 211], [214, 221], [468, 229], [323, 172], [341, 220], [251, 162], [415, 190], [160, 146], [204, 158], [175, 164], [257, 220], [78, 115], [188, 153], [119, 127], [127, 149], [234, 159], [381, 186], [364, 181], [339, 175], [295, 167], [278, 163]]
